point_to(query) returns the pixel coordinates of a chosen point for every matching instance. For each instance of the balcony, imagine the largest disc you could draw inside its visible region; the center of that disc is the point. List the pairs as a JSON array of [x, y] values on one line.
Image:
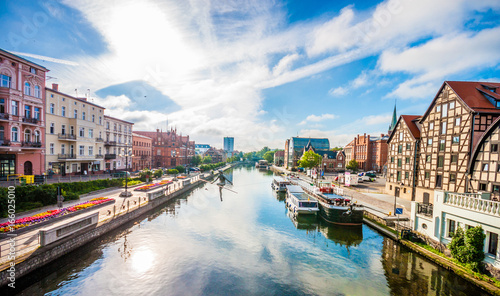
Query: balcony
[[144, 157], [31, 144], [110, 156], [66, 137], [30, 120], [425, 209], [99, 139], [66, 156], [5, 143], [4, 116], [473, 202], [99, 156], [110, 143]]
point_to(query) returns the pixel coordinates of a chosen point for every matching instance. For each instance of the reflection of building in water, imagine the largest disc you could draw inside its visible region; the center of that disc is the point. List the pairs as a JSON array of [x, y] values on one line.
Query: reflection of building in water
[[408, 273], [303, 222], [229, 175], [343, 235]]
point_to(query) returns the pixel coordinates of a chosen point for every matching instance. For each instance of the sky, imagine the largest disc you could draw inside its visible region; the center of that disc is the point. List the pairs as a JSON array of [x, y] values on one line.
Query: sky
[[259, 71]]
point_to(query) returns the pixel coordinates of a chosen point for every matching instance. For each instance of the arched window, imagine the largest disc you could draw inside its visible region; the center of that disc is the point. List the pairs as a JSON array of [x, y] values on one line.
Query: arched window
[[14, 135], [27, 89], [27, 135], [2, 133], [38, 94], [37, 137]]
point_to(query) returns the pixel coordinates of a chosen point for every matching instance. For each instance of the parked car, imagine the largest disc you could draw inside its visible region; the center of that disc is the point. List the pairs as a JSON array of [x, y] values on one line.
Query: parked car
[[369, 177]]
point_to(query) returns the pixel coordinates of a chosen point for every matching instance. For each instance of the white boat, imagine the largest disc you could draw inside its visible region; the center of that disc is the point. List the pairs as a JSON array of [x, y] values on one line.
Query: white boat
[[262, 165], [300, 202], [279, 184]]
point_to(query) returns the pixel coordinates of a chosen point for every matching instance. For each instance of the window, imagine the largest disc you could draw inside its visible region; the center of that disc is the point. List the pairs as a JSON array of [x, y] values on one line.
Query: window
[[493, 244], [83, 115], [82, 132], [407, 160], [93, 118], [457, 121], [75, 114], [27, 111], [401, 136], [51, 148], [439, 181], [15, 108], [27, 135], [407, 175], [52, 108], [27, 89], [32, 70], [107, 125], [392, 159], [36, 113], [453, 178], [91, 150], [5, 81], [455, 140], [82, 150], [100, 150], [100, 120], [14, 135], [399, 162], [494, 148], [452, 105], [451, 227], [485, 167], [37, 138], [63, 148], [399, 176], [38, 94], [408, 146], [63, 111], [444, 111], [443, 128], [427, 175], [428, 158], [429, 141], [482, 186], [91, 133], [400, 148], [454, 158], [440, 161], [431, 126], [442, 144], [63, 129], [438, 108]]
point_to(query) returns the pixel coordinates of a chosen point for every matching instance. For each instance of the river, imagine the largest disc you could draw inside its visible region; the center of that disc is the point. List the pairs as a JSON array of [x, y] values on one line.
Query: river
[[245, 245]]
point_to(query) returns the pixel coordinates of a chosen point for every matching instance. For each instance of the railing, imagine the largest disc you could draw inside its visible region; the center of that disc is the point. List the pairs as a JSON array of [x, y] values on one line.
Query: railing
[[109, 156], [5, 143], [472, 202], [31, 144], [425, 209], [30, 120], [4, 116], [66, 137], [110, 143], [144, 157], [99, 156], [99, 139], [66, 156]]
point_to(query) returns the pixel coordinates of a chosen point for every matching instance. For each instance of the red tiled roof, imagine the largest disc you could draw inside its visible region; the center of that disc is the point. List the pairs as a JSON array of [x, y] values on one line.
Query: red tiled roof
[[472, 94], [410, 122]]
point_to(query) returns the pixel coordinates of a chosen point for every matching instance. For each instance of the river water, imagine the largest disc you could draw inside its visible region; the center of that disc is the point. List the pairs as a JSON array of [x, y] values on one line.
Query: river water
[[247, 244]]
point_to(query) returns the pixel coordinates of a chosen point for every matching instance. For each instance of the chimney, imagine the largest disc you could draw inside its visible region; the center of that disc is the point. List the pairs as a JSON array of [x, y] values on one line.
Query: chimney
[[55, 86]]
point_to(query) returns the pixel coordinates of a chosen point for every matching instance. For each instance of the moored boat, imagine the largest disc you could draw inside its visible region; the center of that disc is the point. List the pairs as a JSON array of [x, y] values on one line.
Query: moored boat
[[279, 184], [337, 209], [300, 202], [262, 164]]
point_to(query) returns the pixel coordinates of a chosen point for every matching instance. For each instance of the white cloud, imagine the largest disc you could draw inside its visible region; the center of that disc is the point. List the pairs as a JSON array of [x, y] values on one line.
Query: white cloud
[[339, 91], [285, 64], [317, 118]]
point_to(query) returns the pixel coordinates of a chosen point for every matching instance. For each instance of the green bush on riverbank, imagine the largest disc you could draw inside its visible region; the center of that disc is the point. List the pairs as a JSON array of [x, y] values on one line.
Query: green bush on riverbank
[[207, 167], [34, 196]]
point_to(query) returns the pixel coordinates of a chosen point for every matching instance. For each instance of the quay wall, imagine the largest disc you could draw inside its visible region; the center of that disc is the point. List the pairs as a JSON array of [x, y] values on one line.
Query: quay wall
[[49, 253]]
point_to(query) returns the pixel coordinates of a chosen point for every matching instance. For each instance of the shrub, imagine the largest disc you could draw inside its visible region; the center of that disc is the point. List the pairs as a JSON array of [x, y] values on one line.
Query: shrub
[[172, 172], [468, 248], [158, 173], [181, 169]]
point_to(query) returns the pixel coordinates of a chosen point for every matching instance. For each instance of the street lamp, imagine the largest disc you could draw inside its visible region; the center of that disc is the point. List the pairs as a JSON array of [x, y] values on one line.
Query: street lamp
[[401, 184], [126, 193]]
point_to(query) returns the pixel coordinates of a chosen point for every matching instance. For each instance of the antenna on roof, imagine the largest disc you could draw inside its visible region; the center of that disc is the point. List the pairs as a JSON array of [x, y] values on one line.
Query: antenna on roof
[[76, 92]]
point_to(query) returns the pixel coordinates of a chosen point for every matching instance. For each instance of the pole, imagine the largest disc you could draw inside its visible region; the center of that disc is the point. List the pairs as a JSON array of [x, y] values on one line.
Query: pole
[[395, 188], [126, 174]]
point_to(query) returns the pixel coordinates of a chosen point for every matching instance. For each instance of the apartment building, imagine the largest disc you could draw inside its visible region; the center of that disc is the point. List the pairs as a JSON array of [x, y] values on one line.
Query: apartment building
[[369, 152], [142, 148], [74, 134], [22, 116], [117, 144]]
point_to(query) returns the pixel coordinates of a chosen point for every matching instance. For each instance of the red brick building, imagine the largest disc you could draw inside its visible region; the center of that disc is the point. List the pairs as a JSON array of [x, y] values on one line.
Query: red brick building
[[142, 148], [217, 155], [169, 148], [370, 152], [22, 116], [333, 161]]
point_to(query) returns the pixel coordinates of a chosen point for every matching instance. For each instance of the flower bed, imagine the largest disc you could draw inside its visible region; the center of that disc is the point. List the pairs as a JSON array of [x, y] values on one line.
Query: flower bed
[[51, 214], [152, 186]]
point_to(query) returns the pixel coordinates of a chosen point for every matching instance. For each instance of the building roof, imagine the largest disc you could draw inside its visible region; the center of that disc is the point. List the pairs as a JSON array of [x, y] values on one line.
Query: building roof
[[481, 140], [318, 143], [20, 59], [330, 154], [134, 134], [411, 123], [71, 97]]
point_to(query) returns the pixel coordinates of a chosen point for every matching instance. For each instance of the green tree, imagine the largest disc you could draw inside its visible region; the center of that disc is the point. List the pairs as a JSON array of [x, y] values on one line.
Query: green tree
[[336, 149], [310, 159], [158, 173], [269, 156], [196, 160], [353, 165], [207, 159], [181, 169], [468, 248]]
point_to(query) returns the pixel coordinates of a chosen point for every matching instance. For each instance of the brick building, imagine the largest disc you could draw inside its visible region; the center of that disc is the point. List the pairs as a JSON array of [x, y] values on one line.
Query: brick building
[[370, 152], [169, 148], [142, 148], [22, 116]]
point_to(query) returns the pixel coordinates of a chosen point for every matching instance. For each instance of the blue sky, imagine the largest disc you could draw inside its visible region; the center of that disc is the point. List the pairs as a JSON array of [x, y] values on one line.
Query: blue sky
[[261, 71]]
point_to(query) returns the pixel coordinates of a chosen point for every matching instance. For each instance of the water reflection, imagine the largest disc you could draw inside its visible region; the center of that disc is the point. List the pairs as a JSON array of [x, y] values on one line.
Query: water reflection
[[246, 245]]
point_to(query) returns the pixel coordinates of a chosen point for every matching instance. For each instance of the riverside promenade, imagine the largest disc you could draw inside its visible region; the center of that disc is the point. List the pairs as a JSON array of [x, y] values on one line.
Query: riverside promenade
[[31, 254]]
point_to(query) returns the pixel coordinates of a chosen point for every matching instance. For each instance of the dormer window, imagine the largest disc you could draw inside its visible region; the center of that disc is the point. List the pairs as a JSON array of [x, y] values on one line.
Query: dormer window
[[33, 70], [493, 89]]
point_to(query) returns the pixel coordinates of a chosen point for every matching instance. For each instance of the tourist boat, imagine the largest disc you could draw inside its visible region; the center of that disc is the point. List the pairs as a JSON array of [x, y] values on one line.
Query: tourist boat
[[262, 164], [300, 202], [279, 184]]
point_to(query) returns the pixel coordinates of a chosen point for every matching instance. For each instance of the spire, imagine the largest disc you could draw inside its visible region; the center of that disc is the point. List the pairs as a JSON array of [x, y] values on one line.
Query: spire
[[394, 120]]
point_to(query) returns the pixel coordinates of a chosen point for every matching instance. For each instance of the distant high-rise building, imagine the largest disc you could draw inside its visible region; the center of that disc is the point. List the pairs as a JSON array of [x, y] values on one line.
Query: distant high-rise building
[[229, 145]]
